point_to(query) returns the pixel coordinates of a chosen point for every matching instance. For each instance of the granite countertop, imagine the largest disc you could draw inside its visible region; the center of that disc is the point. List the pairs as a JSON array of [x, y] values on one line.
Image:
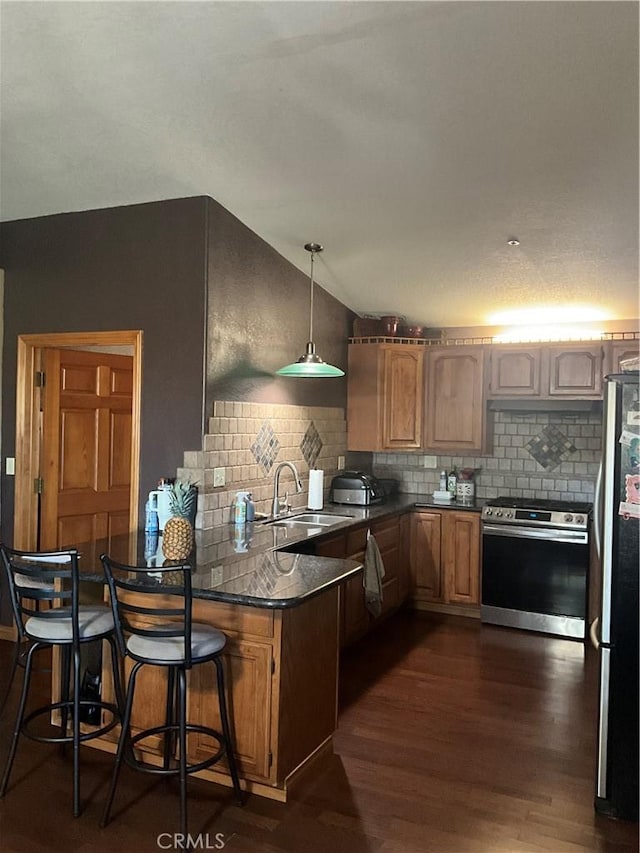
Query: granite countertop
[[247, 565]]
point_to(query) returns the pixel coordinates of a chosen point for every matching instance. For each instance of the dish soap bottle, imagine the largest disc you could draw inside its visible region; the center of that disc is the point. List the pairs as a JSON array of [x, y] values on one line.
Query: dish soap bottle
[[250, 507], [452, 483]]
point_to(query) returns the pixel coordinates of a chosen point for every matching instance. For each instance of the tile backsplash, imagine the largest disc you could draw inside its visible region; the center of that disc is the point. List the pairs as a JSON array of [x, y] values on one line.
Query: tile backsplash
[[248, 441], [541, 454]]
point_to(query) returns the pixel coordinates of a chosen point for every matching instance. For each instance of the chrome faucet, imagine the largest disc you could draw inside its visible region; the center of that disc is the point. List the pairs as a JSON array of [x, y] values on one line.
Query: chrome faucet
[[276, 506]]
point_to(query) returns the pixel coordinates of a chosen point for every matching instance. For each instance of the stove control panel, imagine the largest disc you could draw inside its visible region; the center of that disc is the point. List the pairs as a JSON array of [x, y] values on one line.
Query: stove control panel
[[536, 517]]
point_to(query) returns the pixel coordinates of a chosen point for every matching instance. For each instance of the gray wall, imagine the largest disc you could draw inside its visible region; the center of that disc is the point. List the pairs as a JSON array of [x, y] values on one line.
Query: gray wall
[[259, 321], [160, 267]]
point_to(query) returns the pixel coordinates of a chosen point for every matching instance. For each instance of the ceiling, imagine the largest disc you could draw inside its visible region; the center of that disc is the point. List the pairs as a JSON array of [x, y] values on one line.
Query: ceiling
[[412, 139]]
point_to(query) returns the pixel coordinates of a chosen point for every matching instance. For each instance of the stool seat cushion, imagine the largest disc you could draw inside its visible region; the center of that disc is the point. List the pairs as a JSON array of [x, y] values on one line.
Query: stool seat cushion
[[205, 641], [92, 622], [32, 583]]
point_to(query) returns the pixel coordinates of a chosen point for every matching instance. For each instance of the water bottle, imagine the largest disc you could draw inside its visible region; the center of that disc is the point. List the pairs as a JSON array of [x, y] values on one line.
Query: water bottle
[[151, 524]]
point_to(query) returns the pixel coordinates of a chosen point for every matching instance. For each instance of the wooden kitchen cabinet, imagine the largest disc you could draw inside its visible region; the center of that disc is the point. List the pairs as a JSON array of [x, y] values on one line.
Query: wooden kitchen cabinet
[[575, 370], [456, 416], [281, 670], [391, 536], [445, 557], [546, 371], [515, 372], [617, 351], [385, 397]]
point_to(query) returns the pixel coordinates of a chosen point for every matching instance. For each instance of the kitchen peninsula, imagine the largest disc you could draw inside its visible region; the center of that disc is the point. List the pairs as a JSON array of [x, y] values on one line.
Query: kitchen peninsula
[[284, 598]]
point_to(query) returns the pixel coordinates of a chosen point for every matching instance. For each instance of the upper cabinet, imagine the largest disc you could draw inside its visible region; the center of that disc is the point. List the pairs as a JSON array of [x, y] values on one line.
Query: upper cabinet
[[620, 351], [455, 414], [385, 397], [547, 372]]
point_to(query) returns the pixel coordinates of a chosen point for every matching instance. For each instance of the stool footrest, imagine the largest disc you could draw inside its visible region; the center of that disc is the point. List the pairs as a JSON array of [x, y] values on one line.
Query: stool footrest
[[166, 730], [55, 706]]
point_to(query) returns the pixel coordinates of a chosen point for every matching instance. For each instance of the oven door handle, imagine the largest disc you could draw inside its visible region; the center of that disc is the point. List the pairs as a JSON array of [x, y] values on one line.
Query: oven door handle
[[575, 537]]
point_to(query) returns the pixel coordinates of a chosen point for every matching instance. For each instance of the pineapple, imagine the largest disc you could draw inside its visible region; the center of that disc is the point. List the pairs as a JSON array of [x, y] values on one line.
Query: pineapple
[[177, 536]]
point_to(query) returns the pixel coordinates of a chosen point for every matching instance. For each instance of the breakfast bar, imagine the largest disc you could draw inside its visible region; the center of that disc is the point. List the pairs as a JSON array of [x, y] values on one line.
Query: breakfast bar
[[280, 613]]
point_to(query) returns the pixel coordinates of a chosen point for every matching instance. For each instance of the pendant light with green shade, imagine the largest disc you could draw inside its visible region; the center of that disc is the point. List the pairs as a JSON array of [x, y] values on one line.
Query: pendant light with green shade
[[310, 365]]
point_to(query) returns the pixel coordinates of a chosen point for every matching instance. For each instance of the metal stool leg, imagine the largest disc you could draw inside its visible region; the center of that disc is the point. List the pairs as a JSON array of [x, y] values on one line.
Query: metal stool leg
[[226, 731], [182, 734], [123, 744], [12, 674], [76, 732], [65, 679], [170, 716], [18, 724]]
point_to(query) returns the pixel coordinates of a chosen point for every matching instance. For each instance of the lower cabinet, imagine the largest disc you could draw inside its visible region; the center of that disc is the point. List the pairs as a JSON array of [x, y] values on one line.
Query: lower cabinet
[[281, 673], [391, 537], [445, 557]]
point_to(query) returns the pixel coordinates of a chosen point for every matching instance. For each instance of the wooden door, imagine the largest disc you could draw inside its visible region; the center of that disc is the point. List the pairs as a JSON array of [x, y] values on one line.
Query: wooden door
[[425, 555], [86, 447], [515, 372], [462, 557], [575, 371], [402, 397], [455, 400]]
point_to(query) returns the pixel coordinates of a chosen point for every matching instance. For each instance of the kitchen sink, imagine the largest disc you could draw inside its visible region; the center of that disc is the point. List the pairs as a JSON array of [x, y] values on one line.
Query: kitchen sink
[[310, 519]]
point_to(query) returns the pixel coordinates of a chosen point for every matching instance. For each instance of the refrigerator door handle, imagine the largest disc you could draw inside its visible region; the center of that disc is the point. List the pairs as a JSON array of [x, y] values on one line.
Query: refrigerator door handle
[[593, 633], [608, 506], [597, 512], [603, 724]]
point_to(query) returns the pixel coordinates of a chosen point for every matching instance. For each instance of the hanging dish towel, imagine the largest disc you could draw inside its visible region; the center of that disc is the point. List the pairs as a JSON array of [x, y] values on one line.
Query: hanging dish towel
[[373, 575]]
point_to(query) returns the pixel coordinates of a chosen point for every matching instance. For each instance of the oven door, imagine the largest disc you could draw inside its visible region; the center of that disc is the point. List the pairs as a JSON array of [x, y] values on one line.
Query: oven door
[[535, 578]]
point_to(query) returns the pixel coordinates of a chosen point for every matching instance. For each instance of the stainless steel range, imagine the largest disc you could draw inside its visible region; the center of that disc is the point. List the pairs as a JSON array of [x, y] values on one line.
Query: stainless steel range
[[535, 565]]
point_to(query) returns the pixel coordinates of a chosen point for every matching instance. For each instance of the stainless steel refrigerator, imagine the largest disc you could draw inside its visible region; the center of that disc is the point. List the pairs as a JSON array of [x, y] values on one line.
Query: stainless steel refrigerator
[[615, 632]]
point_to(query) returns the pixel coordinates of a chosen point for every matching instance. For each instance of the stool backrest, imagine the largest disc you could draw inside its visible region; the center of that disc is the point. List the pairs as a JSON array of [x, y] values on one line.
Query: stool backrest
[[37, 576], [147, 615]]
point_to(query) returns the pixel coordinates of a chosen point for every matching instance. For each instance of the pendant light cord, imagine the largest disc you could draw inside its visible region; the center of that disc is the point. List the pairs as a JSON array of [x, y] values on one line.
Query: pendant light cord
[[311, 302]]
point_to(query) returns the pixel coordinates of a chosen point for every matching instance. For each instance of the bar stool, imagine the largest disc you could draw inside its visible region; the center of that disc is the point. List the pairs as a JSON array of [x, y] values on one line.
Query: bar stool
[[53, 576], [161, 633], [19, 653]]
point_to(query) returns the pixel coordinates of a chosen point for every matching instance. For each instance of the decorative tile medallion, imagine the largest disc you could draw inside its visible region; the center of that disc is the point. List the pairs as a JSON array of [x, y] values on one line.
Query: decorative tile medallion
[[266, 446], [311, 445], [550, 447]]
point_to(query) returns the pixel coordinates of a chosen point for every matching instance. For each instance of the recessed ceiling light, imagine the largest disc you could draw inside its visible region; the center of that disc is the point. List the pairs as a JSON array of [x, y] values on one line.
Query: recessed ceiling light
[[513, 242]]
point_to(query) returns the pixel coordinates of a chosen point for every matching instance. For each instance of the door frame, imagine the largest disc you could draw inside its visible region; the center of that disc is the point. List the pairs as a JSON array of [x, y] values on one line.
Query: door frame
[[25, 523]]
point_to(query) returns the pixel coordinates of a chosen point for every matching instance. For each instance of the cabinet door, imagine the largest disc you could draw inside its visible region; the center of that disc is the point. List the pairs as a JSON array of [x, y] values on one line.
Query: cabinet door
[[575, 371], [515, 372], [387, 536], [619, 351], [248, 683], [402, 397], [455, 400], [425, 555], [462, 557], [355, 616]]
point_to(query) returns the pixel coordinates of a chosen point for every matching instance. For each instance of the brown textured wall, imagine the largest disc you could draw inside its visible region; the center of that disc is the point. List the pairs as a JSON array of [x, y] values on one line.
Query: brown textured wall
[[259, 321], [135, 267], [146, 267]]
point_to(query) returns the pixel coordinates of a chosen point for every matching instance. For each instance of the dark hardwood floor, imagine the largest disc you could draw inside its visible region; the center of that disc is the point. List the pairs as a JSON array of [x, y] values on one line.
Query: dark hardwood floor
[[453, 737]]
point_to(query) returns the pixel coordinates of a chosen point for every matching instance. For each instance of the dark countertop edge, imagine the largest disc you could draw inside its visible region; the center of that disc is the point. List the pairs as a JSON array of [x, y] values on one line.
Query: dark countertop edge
[[278, 603]]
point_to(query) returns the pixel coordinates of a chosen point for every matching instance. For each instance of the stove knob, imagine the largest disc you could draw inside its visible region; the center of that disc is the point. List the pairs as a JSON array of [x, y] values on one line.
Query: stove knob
[[488, 511], [568, 519], [498, 512], [508, 514], [579, 519]]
